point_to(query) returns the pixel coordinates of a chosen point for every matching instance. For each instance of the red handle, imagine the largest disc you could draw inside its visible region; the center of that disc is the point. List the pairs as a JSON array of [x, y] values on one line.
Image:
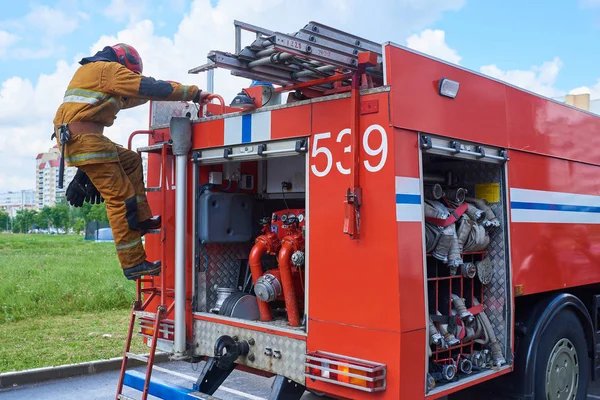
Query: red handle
[[135, 133]]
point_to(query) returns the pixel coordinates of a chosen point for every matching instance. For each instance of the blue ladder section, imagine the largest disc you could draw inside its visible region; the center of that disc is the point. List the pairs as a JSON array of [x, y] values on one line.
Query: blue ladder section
[[162, 389]]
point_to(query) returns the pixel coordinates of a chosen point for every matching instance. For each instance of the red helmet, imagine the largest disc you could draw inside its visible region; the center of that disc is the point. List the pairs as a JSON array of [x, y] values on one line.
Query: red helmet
[[129, 57]]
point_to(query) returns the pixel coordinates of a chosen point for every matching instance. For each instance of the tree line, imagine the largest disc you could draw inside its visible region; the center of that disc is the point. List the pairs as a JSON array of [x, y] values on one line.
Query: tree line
[[60, 217]]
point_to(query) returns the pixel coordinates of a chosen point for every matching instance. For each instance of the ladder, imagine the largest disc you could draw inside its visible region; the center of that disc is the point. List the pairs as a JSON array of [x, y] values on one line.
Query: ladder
[[315, 51], [152, 324]]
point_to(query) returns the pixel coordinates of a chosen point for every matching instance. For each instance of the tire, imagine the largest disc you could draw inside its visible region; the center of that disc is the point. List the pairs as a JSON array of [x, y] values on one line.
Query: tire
[[566, 377]]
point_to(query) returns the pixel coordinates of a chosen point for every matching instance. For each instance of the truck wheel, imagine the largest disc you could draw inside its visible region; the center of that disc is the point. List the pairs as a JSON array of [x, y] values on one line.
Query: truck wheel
[[562, 364]]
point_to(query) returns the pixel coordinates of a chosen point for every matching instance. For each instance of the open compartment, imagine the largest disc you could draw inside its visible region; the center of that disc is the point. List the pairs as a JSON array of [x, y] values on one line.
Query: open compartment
[[250, 234], [466, 262]]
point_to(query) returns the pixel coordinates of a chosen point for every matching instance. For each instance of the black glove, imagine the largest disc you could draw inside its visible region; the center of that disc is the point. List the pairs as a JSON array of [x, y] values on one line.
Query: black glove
[[76, 190], [92, 195], [82, 189]]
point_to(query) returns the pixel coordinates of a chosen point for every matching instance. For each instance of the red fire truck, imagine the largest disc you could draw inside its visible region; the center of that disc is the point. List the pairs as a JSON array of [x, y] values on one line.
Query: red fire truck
[[368, 222]]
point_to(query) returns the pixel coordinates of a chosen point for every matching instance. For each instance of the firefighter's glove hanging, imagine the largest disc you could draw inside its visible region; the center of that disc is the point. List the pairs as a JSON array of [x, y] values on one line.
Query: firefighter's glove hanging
[[92, 195], [76, 190], [81, 189]]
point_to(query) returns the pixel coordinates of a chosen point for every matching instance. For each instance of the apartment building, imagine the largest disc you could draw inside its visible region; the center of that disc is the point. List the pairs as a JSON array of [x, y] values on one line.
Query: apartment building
[[46, 177], [11, 202]]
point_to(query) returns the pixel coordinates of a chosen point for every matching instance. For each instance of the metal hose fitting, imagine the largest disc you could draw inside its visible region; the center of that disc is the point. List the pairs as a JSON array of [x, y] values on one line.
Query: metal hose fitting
[[465, 365], [434, 336], [475, 213], [454, 256], [449, 372], [490, 217], [461, 309], [469, 270], [456, 196], [477, 360], [435, 209], [433, 192], [449, 338], [430, 382], [497, 357]]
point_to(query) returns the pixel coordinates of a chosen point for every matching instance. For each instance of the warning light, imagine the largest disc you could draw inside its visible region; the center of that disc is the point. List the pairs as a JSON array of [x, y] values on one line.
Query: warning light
[[448, 88]]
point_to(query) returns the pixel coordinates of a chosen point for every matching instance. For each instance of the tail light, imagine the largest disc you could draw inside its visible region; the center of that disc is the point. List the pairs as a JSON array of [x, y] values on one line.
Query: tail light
[[345, 371]]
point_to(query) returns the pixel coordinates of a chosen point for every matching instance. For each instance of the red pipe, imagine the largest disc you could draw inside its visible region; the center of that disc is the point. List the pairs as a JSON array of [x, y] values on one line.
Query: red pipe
[[265, 243], [290, 244], [135, 133], [259, 250]]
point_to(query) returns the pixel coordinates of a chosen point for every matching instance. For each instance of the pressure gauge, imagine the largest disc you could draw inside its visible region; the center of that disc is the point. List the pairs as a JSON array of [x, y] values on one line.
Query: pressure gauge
[[284, 218], [300, 217], [291, 217]]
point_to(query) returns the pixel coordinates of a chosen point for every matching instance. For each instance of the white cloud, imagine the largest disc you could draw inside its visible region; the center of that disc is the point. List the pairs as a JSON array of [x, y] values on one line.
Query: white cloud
[[594, 91], [123, 10], [6, 41], [50, 21], [433, 42], [538, 79], [27, 107]]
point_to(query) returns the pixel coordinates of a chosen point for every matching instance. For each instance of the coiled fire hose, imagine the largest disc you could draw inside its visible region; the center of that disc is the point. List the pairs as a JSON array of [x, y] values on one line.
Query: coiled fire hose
[[442, 250], [432, 236], [477, 240], [496, 348]]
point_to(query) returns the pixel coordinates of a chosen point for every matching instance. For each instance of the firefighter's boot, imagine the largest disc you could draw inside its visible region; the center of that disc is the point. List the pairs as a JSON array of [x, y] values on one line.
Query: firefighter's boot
[[151, 223], [145, 268]]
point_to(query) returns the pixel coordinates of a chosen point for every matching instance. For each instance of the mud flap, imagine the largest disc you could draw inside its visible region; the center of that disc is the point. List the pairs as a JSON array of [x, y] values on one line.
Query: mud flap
[[285, 389], [211, 377]]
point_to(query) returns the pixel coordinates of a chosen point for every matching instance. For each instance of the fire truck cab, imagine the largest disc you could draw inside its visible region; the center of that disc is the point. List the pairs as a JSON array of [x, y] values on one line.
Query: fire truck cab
[[368, 222]]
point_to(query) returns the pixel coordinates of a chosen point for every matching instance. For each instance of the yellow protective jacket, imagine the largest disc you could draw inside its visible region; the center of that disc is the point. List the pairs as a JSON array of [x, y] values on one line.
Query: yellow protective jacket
[[96, 93]]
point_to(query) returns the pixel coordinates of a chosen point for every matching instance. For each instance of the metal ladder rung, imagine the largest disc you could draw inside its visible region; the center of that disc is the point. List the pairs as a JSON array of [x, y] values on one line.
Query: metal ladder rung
[[123, 397], [137, 357], [153, 189], [150, 337], [145, 314], [155, 148]]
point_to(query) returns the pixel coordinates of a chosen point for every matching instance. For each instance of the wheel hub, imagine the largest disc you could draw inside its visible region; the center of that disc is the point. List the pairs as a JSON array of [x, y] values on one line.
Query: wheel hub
[[562, 372]]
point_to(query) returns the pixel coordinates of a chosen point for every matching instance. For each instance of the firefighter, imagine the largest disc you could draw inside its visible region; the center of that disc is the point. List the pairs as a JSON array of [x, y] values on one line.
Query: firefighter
[[106, 83]]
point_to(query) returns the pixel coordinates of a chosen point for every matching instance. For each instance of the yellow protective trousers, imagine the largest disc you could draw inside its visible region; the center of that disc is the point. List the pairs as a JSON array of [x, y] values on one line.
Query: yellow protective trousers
[[118, 175]]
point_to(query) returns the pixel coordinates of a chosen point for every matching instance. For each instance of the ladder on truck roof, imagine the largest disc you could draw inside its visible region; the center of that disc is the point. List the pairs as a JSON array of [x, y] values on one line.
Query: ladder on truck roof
[[315, 51], [152, 324]]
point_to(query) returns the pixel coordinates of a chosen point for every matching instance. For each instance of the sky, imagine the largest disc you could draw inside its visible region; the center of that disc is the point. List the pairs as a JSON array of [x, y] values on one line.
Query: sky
[[549, 47]]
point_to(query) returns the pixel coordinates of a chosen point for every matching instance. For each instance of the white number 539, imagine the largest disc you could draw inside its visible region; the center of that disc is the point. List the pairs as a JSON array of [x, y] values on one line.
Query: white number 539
[[377, 159]]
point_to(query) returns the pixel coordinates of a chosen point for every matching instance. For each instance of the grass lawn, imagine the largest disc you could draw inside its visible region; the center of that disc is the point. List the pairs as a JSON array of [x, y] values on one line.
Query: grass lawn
[[58, 296], [47, 275], [51, 341]]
